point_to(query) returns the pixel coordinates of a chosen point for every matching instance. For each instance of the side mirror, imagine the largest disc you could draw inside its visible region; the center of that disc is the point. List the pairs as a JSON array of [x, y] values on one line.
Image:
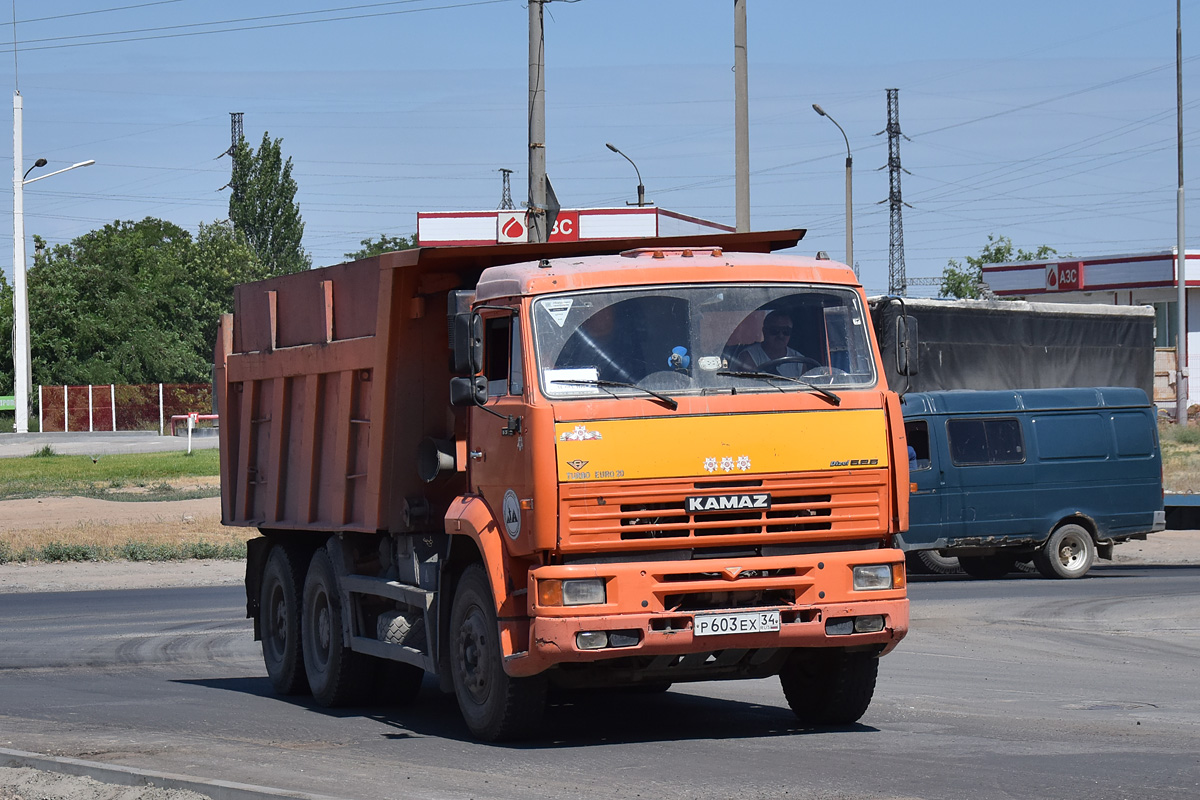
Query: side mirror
[[906, 345], [472, 391], [466, 343]]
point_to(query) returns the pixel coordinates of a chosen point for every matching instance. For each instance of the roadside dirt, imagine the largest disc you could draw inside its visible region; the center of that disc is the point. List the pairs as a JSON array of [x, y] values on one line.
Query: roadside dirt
[[22, 783]]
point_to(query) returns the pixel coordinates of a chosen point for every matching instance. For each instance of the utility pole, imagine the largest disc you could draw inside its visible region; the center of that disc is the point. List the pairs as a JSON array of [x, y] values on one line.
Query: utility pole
[[22, 372], [897, 280], [538, 231], [1181, 364], [741, 115]]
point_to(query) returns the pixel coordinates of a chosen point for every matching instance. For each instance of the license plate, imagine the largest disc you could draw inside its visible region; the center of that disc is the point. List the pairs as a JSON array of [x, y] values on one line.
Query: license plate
[[735, 622]]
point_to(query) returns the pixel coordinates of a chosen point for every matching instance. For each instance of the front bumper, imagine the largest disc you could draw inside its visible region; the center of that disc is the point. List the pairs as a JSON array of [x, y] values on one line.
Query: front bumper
[[553, 639]]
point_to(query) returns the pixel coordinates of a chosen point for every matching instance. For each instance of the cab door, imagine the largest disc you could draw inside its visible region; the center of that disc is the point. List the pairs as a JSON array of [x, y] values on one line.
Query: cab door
[[499, 463]]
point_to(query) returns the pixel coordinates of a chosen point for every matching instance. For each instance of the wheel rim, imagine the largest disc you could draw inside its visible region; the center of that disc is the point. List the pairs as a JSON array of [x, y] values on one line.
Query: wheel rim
[[1072, 552], [277, 611], [471, 655], [322, 628]]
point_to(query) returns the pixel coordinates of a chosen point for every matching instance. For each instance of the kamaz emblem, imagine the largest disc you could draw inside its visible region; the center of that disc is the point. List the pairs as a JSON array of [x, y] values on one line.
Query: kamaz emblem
[[726, 502], [577, 464], [856, 462]]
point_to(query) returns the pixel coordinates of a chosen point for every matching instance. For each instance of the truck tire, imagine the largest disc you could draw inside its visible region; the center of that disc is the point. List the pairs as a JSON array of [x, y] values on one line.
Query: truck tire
[[495, 706], [829, 687], [1068, 553], [279, 623], [337, 675], [987, 567]]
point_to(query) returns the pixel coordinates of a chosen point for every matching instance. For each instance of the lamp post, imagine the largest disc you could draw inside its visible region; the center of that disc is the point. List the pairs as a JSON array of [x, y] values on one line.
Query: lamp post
[[641, 201], [22, 369], [849, 193]]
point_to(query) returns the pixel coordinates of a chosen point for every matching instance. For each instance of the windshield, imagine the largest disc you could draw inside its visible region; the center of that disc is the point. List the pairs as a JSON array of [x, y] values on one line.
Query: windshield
[[702, 339]]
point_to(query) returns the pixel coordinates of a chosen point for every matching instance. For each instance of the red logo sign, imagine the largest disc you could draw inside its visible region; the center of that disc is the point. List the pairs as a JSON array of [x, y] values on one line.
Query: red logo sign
[[566, 227], [1064, 277], [511, 227]]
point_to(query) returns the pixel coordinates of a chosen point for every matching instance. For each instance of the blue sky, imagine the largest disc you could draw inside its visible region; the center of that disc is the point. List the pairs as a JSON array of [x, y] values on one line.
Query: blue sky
[[1050, 122]]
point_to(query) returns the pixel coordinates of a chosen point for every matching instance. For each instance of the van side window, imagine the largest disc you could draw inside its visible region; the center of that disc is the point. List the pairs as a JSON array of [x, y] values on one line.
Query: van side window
[[917, 433], [985, 441]]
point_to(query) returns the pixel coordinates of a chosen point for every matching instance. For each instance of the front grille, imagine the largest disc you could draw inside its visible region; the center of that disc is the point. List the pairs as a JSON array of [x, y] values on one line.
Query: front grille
[[643, 514]]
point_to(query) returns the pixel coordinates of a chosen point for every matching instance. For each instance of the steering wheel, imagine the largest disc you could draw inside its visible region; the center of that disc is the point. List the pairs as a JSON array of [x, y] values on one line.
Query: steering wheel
[[768, 366]]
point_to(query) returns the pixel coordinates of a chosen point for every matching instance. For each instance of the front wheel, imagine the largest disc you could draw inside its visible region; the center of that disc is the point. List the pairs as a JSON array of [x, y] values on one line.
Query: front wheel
[[829, 687], [495, 706], [1068, 553]]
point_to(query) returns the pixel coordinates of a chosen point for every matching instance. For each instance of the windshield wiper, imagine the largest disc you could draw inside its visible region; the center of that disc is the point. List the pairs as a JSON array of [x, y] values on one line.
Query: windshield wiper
[[767, 376], [669, 402]]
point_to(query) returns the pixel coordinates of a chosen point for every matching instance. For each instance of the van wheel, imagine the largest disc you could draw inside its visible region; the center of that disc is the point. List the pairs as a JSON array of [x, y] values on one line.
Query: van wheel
[[935, 562], [1068, 553], [279, 623], [495, 706], [987, 567], [829, 687], [337, 675]]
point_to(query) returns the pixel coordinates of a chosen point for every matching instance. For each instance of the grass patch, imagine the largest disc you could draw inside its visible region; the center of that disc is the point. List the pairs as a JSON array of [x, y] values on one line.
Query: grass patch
[[1181, 457], [46, 474], [58, 552]]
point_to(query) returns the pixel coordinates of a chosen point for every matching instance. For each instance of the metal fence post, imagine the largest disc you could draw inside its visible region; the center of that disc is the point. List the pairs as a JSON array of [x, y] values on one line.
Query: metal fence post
[[66, 412], [41, 427], [112, 395], [160, 410], [90, 405]]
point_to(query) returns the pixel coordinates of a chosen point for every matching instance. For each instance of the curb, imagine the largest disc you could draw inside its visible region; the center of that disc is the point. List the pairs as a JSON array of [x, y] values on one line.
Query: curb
[[127, 776]]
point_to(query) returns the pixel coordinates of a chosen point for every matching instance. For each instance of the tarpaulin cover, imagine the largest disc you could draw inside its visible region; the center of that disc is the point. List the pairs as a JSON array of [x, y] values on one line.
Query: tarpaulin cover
[[988, 344]]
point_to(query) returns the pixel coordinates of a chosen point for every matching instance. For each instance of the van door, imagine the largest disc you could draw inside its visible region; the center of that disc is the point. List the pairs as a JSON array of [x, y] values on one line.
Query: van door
[[934, 505], [990, 459]]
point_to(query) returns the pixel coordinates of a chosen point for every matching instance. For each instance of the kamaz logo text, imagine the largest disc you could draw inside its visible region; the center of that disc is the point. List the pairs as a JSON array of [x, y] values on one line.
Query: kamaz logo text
[[856, 462], [727, 502]]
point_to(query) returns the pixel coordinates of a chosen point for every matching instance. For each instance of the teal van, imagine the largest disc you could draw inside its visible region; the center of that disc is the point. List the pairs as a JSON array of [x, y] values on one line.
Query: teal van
[[1056, 476]]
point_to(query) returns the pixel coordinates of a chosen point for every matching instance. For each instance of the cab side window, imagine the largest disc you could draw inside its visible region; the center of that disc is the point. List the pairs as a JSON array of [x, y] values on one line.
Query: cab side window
[[985, 441], [502, 356]]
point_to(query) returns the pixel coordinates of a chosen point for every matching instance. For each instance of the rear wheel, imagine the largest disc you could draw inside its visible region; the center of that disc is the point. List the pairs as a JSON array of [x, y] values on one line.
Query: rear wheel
[[336, 674], [279, 623], [987, 567], [829, 687], [494, 705], [1068, 553]]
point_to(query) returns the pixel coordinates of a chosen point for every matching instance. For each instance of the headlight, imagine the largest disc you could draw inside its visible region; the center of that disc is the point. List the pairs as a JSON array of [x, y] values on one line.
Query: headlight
[[572, 592], [872, 577], [584, 592]]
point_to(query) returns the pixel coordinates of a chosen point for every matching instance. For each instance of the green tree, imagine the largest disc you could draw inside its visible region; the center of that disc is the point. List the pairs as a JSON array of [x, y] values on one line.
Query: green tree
[[6, 331], [963, 282], [262, 206], [133, 302], [384, 244]]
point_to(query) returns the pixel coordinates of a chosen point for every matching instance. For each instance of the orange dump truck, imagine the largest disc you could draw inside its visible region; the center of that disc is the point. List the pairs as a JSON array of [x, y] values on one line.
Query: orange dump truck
[[581, 464]]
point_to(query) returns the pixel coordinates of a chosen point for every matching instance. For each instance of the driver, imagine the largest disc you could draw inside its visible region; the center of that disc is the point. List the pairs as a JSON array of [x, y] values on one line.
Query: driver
[[776, 332]]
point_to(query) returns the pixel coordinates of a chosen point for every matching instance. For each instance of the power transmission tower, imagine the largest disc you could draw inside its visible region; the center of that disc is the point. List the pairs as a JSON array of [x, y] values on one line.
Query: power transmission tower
[[235, 138], [897, 281], [506, 198]]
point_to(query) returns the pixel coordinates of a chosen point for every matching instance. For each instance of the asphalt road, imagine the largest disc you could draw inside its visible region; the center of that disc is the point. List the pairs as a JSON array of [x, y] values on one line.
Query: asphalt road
[[16, 445], [1021, 687]]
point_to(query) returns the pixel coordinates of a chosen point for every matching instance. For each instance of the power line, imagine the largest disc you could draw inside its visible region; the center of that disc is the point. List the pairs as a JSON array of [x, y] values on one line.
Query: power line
[[247, 27]]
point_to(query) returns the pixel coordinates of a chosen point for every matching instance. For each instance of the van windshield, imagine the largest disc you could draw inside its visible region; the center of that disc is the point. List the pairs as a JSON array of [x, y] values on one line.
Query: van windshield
[[695, 339]]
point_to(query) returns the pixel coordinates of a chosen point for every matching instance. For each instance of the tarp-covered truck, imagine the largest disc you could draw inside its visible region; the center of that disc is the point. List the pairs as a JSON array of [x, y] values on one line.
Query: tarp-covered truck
[[522, 465]]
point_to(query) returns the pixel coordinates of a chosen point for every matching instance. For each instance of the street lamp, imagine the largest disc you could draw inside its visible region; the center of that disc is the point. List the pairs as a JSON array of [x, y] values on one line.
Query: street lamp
[[849, 200], [641, 201], [22, 369]]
